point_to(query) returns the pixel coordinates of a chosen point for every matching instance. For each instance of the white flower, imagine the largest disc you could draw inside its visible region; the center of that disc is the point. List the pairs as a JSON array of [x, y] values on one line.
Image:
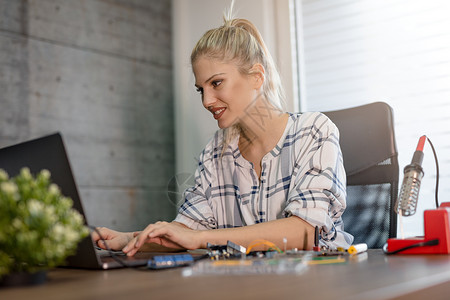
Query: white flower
[[17, 224], [45, 173], [49, 211], [58, 232], [35, 207], [65, 203], [3, 175], [53, 189], [71, 236], [9, 188], [59, 250], [25, 173], [76, 217]]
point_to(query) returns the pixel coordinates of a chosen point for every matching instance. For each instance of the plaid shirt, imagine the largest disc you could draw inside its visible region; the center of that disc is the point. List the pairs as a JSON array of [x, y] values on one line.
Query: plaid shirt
[[302, 176]]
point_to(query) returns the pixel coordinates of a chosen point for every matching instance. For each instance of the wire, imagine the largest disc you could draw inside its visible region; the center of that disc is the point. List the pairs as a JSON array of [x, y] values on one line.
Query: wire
[[421, 244], [110, 251], [255, 243], [123, 263], [430, 242], [437, 173]]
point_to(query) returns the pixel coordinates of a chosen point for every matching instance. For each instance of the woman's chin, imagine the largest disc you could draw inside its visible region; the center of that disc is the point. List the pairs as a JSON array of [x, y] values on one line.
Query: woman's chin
[[223, 125]]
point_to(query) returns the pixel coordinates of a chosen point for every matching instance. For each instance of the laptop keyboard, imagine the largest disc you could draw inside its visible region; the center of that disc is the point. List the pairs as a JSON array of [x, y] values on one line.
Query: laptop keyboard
[[105, 253]]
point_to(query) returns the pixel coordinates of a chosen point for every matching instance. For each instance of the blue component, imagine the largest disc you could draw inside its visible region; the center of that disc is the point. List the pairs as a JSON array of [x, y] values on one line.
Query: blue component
[[169, 261]]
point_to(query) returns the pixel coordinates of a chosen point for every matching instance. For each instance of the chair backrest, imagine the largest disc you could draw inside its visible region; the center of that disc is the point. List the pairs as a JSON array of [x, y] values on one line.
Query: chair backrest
[[370, 155]]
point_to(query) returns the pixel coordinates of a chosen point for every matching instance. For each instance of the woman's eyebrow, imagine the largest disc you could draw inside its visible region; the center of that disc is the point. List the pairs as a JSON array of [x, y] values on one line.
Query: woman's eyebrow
[[213, 77], [198, 86]]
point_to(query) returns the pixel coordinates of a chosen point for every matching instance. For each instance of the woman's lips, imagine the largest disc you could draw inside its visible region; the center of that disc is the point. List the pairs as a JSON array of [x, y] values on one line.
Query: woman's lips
[[217, 113]]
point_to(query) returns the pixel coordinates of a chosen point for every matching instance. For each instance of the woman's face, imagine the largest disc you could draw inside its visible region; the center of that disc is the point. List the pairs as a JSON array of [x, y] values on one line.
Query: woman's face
[[226, 93]]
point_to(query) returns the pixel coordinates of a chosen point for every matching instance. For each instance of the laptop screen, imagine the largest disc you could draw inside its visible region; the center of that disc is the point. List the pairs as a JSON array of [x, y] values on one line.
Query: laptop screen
[[43, 153], [49, 153]]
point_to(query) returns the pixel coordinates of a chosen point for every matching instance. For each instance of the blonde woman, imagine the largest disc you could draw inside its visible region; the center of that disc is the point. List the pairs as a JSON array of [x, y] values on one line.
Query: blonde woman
[[266, 174]]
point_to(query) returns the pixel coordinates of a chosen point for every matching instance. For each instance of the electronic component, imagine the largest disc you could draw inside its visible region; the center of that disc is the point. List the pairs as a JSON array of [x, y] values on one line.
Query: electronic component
[[409, 193], [278, 264], [316, 239], [256, 243], [233, 248], [436, 221], [436, 239], [217, 252], [358, 248], [170, 261], [230, 250]]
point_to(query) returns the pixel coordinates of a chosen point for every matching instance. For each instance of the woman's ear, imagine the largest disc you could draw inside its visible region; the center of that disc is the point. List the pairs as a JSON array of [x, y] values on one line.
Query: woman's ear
[[257, 72]]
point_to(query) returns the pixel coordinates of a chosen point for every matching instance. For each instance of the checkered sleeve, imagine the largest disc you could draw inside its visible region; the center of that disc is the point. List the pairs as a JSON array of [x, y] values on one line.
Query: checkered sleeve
[[195, 212], [318, 193]]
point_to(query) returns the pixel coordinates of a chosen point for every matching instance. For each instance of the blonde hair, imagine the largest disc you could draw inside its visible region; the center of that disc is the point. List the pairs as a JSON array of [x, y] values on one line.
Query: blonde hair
[[239, 41]]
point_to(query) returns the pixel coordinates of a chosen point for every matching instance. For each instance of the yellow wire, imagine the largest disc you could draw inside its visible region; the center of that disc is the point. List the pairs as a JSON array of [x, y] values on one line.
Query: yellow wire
[[262, 242]]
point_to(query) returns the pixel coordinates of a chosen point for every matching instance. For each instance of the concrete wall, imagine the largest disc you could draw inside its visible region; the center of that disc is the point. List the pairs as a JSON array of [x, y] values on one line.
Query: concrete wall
[[100, 72]]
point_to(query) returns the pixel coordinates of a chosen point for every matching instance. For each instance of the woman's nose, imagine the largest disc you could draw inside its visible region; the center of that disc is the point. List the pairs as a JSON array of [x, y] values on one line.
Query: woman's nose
[[207, 99]]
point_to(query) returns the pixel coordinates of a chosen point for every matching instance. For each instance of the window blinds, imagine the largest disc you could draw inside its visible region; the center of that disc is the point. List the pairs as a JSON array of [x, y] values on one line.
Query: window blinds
[[397, 51]]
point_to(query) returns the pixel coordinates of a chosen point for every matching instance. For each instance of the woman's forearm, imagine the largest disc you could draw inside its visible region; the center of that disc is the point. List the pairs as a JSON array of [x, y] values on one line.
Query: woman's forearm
[[298, 234]]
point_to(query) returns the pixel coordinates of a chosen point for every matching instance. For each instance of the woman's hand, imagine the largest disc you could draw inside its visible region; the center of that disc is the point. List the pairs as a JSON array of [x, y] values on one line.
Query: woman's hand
[[116, 240], [172, 235]]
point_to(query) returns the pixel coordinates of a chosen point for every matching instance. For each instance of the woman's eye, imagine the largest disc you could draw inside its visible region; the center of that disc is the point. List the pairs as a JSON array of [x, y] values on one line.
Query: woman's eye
[[200, 90], [216, 83]]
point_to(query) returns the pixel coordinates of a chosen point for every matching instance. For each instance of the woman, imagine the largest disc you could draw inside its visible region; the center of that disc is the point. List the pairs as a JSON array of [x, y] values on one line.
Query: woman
[[266, 174]]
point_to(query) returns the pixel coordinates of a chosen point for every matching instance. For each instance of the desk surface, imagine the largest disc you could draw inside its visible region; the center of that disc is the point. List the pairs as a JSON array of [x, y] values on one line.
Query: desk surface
[[373, 276]]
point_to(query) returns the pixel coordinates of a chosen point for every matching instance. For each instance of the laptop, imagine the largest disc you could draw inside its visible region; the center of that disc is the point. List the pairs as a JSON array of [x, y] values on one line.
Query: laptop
[[49, 153]]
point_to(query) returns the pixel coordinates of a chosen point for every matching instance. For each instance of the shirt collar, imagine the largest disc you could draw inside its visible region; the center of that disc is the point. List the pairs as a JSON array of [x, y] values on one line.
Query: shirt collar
[[241, 161]]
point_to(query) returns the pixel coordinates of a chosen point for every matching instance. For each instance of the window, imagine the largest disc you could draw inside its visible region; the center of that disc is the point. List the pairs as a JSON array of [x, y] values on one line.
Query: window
[[397, 51]]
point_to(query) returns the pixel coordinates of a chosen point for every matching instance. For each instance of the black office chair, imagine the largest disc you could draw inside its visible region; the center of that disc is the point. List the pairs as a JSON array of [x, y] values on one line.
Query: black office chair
[[371, 162]]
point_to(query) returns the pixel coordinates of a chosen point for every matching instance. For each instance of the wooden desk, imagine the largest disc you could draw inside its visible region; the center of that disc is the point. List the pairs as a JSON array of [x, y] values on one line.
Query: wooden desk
[[376, 277]]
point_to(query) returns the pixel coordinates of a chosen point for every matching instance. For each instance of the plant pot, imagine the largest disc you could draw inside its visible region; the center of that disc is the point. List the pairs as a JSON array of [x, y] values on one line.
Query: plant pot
[[23, 278]]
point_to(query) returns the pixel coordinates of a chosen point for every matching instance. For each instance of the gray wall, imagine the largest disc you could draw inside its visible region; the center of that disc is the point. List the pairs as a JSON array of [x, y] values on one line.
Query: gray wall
[[100, 72]]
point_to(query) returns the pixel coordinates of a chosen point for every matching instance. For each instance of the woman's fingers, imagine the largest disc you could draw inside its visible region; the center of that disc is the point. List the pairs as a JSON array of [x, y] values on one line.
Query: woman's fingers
[[144, 237], [131, 245], [130, 248], [166, 243], [101, 233], [135, 243], [163, 242], [164, 234], [96, 233], [132, 252]]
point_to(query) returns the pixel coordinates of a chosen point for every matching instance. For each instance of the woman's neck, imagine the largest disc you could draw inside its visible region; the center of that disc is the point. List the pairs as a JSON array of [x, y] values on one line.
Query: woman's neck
[[262, 127]]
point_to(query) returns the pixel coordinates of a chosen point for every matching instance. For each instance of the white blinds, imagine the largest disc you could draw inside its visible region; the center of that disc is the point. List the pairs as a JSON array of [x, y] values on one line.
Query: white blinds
[[396, 51]]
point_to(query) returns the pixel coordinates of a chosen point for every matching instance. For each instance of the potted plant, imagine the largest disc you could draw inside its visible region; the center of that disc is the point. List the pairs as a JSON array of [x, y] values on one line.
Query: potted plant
[[38, 227]]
